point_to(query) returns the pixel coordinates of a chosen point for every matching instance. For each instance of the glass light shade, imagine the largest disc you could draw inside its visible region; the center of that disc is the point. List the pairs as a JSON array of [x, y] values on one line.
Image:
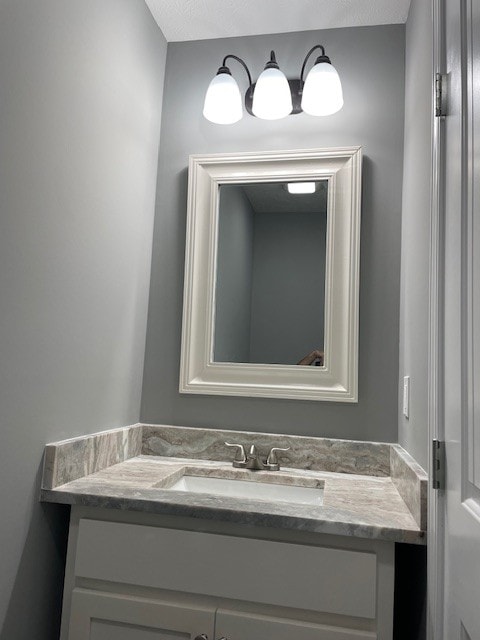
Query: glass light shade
[[272, 98], [223, 101], [322, 92]]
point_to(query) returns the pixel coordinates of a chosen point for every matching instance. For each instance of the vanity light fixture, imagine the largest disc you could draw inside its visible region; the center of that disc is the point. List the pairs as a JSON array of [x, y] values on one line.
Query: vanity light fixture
[[301, 187], [273, 96]]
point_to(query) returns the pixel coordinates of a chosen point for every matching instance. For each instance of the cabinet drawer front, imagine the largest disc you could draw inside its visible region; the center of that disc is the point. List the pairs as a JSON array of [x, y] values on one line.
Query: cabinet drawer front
[[240, 626], [290, 575]]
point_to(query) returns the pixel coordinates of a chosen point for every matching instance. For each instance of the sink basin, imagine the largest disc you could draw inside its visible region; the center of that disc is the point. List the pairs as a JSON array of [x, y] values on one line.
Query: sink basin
[[254, 490]]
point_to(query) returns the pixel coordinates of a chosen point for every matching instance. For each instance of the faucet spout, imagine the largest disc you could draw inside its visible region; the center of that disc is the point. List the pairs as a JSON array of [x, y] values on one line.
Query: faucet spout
[[254, 462]]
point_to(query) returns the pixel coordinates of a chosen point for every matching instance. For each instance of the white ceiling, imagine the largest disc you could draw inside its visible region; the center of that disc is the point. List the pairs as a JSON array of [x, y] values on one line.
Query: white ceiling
[[203, 19]]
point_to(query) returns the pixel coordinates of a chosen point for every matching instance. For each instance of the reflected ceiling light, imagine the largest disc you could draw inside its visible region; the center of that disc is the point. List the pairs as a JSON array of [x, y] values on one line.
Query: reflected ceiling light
[[273, 96], [301, 187]]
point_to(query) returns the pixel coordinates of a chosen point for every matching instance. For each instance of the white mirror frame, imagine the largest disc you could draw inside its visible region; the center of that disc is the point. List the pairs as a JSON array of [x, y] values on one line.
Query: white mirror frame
[[337, 380]]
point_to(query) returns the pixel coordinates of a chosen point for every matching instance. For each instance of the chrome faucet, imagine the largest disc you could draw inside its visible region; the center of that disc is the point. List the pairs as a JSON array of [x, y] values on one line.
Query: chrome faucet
[[252, 459]]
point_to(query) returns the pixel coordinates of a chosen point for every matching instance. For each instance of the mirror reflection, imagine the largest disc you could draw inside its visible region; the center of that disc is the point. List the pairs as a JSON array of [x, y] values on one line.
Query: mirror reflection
[[270, 273]]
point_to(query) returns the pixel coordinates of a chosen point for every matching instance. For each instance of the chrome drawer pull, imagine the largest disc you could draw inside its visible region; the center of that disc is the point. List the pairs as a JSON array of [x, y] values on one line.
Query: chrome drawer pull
[[202, 636]]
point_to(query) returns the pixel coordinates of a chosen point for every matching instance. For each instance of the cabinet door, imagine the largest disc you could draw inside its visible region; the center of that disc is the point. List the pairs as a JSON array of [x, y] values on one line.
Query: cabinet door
[[234, 625], [97, 615]]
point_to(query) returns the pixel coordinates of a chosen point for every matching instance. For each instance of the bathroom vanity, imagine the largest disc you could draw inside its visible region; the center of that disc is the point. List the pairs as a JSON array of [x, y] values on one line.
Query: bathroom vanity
[[155, 552]]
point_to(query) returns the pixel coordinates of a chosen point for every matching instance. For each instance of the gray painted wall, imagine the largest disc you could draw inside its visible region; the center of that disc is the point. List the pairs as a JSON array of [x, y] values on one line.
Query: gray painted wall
[[371, 63], [412, 433], [80, 101], [288, 293], [234, 276]]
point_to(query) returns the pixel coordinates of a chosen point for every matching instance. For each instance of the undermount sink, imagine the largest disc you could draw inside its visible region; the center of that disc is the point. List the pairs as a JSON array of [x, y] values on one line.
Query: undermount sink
[[255, 490]]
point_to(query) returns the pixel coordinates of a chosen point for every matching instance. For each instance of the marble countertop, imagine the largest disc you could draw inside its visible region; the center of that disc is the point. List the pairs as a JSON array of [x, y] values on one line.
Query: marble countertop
[[360, 505]]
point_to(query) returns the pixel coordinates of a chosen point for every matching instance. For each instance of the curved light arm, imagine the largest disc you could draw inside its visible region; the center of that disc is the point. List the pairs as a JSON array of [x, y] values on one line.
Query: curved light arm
[[317, 46], [230, 55]]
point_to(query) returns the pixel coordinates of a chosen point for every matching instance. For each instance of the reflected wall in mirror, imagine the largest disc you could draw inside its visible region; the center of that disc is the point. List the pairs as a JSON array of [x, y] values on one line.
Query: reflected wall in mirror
[[272, 276], [270, 272]]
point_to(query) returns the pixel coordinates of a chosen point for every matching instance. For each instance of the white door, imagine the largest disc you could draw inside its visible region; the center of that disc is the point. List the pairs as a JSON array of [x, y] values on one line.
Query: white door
[[461, 312]]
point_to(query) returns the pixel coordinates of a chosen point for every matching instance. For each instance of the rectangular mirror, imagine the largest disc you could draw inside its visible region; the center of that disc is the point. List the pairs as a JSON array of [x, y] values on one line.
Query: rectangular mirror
[[271, 275]]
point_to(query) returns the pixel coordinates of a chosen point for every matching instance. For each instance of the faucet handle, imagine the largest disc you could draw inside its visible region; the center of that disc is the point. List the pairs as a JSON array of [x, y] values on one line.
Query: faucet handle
[[240, 455], [272, 458]]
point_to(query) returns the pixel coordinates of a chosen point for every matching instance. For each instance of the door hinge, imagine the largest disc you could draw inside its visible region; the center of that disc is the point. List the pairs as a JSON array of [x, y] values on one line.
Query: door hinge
[[438, 464], [440, 95]]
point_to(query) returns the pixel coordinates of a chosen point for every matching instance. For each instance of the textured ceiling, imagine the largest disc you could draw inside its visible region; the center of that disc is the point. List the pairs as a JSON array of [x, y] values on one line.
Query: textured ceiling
[[202, 19]]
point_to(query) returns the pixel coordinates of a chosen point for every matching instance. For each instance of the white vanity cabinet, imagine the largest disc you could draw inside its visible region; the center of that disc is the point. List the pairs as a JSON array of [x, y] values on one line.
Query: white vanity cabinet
[[135, 576]]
